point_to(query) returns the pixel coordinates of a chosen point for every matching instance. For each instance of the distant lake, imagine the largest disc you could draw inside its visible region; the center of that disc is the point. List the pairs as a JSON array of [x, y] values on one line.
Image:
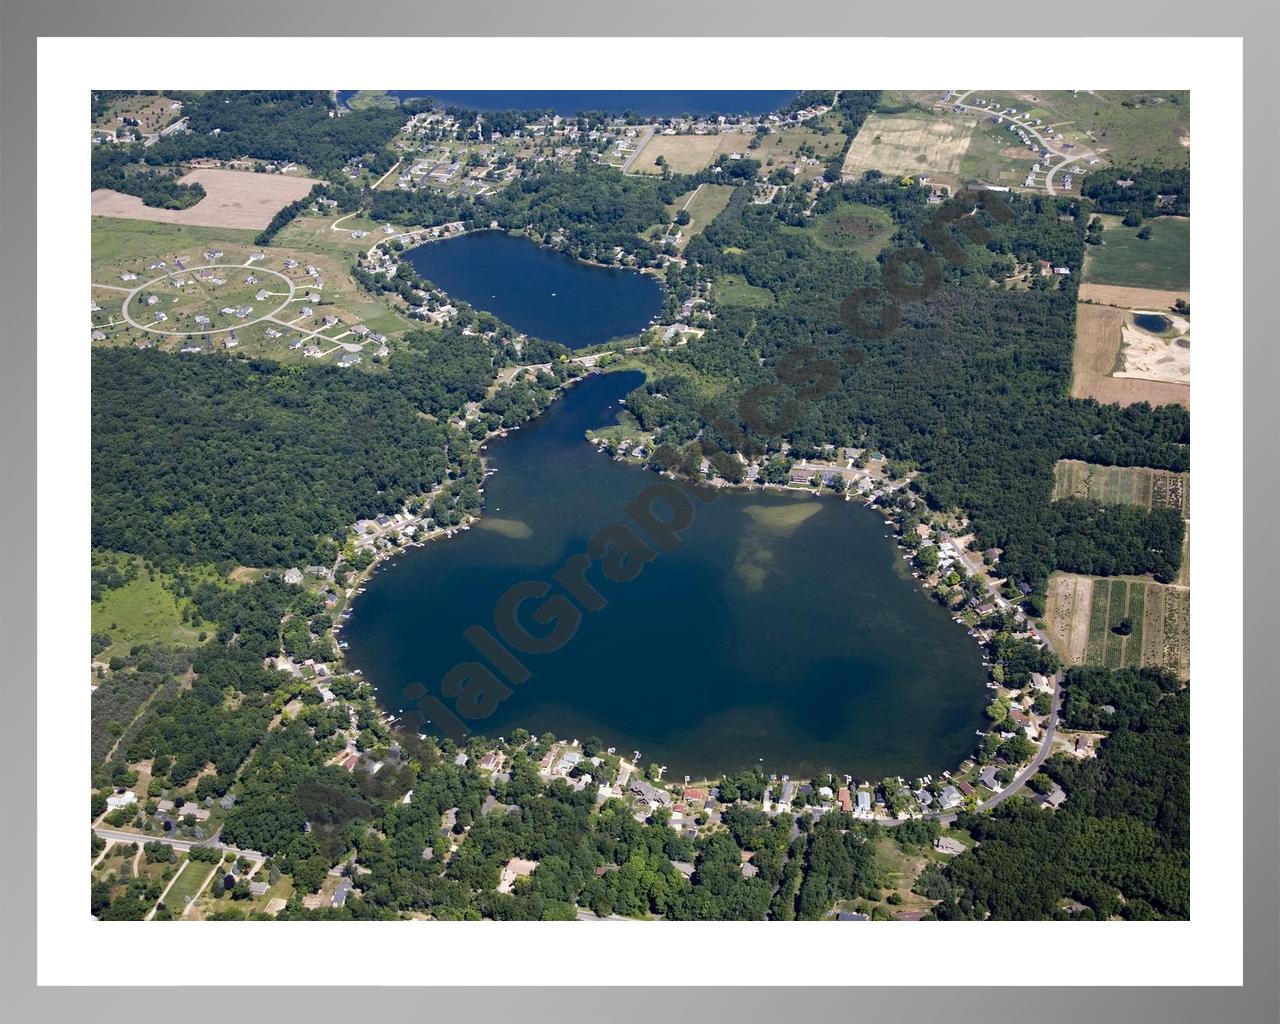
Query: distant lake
[[783, 630], [646, 102], [539, 291]]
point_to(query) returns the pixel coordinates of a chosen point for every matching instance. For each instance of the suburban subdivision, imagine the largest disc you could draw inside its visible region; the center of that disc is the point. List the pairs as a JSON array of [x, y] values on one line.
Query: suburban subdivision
[[693, 506]]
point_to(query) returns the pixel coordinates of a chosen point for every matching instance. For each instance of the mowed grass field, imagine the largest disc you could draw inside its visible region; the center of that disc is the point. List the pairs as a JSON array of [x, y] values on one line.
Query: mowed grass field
[[1162, 261], [686, 154], [703, 205], [118, 245], [913, 143], [187, 885], [1083, 611], [1129, 485]]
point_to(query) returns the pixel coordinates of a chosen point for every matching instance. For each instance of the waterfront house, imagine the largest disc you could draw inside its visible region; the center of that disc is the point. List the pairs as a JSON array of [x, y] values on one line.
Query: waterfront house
[[950, 797]]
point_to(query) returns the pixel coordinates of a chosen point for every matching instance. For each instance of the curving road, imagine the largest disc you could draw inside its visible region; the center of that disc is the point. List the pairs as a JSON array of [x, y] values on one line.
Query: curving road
[[152, 328], [1064, 156]]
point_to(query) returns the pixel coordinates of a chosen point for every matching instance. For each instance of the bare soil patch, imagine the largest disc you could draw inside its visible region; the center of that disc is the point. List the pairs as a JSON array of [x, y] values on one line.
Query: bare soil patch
[[1099, 333], [1131, 298], [235, 199], [1067, 612], [1149, 356]]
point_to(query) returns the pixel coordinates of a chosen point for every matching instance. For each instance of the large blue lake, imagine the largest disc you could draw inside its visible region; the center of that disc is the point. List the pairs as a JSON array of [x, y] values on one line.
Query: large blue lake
[[782, 630], [646, 102], [539, 291]]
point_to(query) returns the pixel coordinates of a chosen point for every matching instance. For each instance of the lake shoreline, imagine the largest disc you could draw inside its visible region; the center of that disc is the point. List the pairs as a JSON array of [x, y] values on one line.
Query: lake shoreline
[[454, 293], [386, 702]]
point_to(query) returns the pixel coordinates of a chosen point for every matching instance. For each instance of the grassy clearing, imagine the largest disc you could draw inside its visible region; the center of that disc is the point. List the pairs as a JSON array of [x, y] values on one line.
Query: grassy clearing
[[368, 99], [152, 113], [703, 205], [852, 227], [706, 205], [316, 235], [143, 611], [808, 146], [1162, 261], [1126, 127], [625, 428], [735, 290], [900, 870], [119, 245]]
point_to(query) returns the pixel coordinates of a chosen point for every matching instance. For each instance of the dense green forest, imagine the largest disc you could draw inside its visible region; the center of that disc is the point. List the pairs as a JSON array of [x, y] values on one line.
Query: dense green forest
[[1146, 186], [280, 126], [211, 459], [969, 388]]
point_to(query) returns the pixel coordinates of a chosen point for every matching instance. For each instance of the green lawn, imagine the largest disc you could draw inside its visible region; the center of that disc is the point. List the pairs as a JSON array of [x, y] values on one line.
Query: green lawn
[[734, 290], [186, 885], [1161, 261]]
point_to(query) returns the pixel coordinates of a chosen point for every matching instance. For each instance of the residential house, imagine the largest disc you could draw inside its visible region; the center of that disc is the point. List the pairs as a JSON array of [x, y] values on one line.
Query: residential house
[[121, 798]]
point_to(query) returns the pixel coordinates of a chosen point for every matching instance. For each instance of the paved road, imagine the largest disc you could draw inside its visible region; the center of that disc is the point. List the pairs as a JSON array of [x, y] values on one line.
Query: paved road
[[626, 166], [118, 836]]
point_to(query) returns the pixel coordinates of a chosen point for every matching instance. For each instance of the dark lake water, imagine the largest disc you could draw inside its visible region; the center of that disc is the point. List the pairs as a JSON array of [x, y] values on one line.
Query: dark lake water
[[647, 102], [1153, 322], [539, 291], [782, 630]]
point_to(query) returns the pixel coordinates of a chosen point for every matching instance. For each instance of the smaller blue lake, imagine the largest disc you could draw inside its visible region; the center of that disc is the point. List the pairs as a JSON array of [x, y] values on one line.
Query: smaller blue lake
[[538, 291], [1153, 322], [646, 102]]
